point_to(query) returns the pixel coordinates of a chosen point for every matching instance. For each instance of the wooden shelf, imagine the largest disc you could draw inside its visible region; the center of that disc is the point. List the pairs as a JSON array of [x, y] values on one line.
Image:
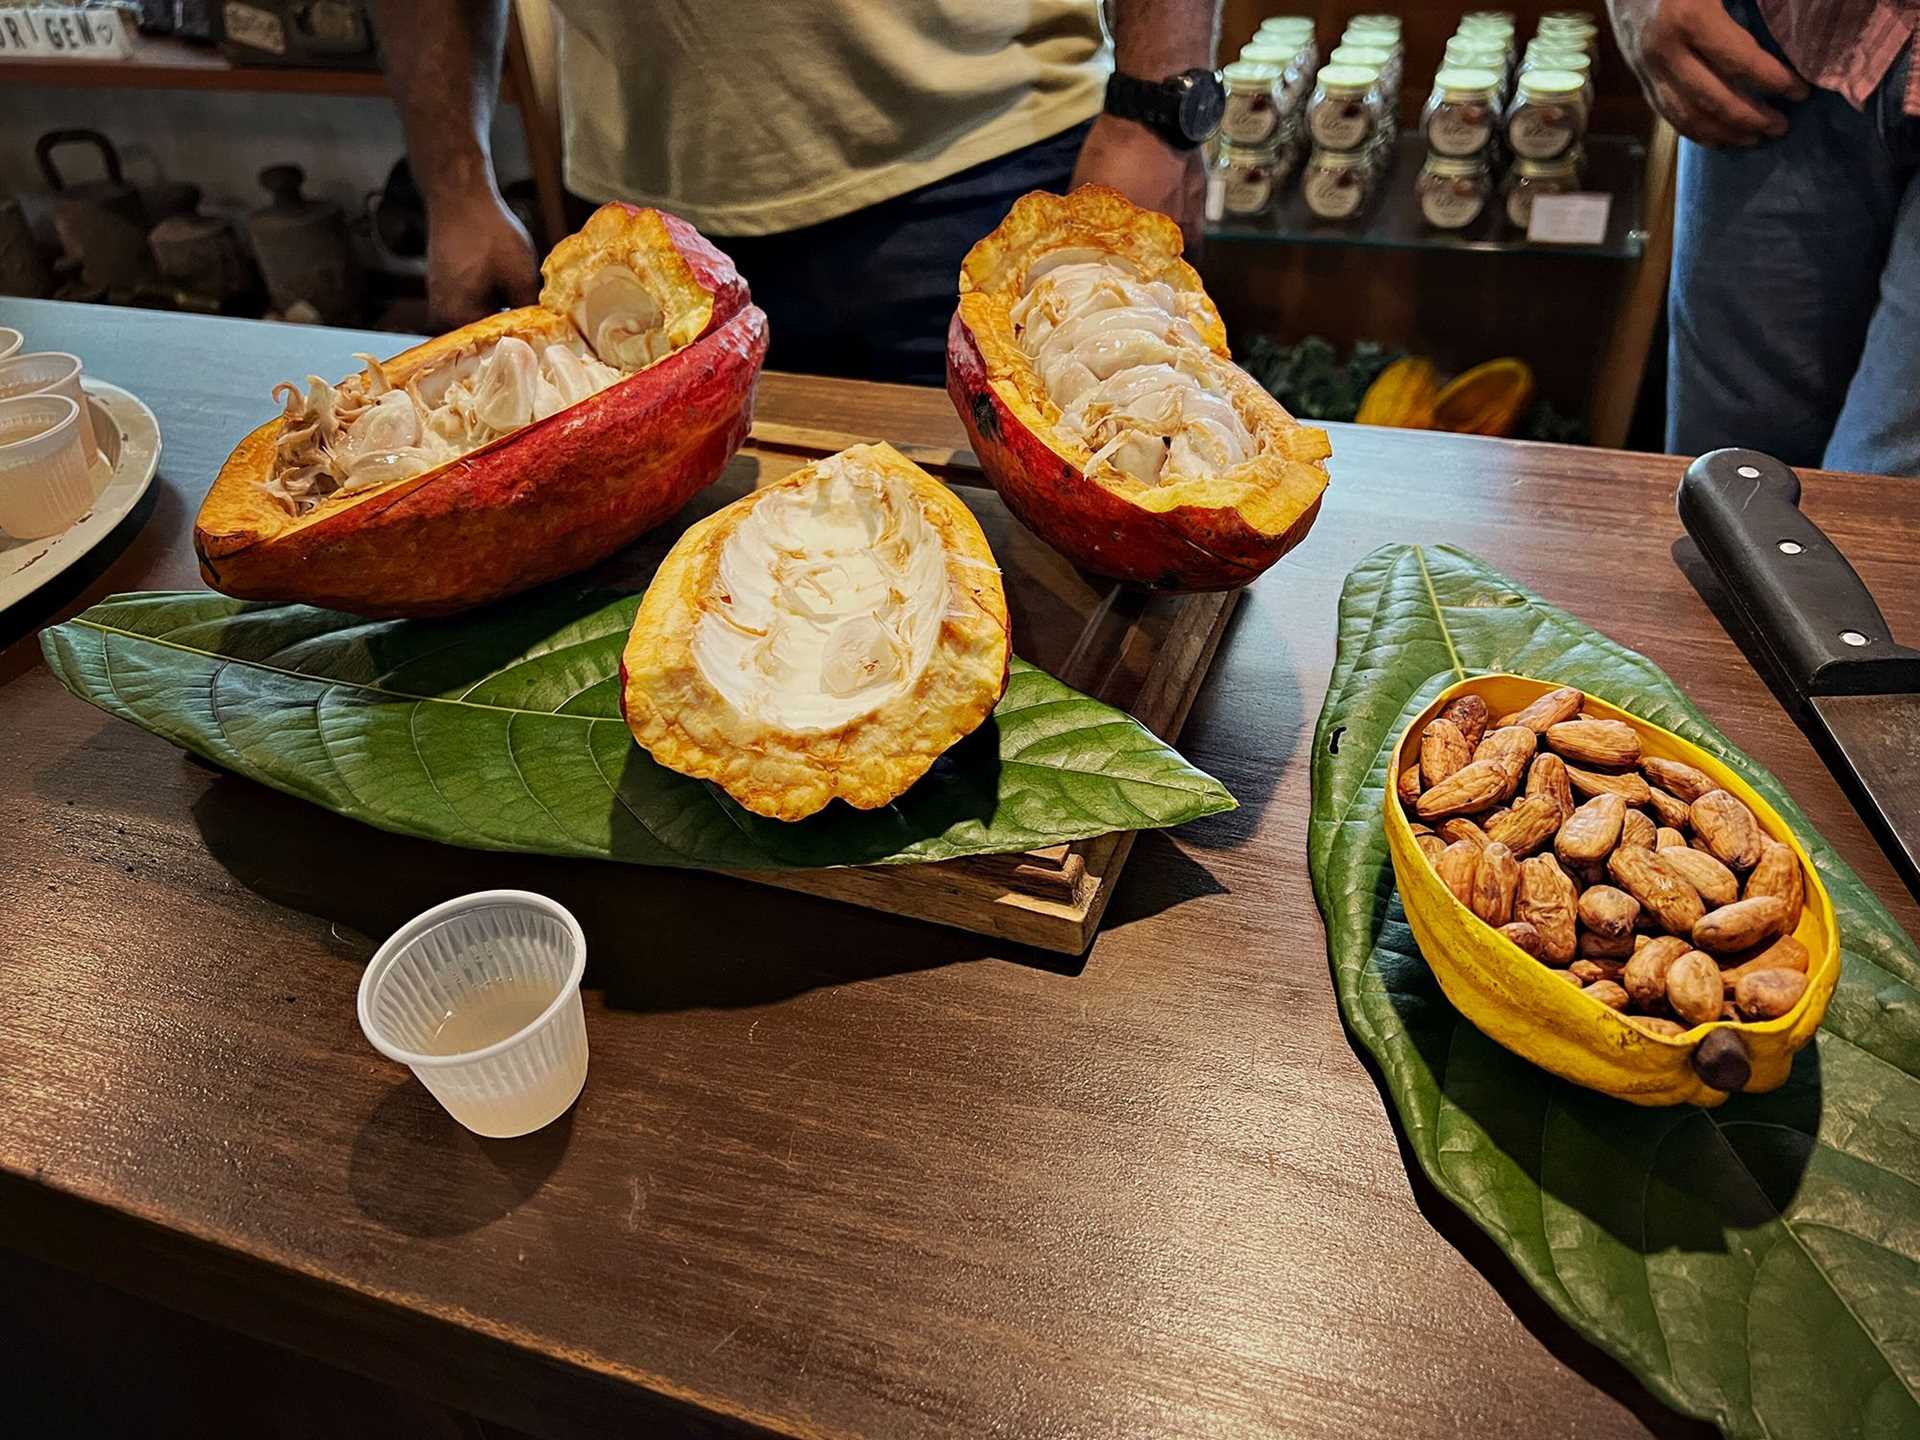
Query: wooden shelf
[[164, 64]]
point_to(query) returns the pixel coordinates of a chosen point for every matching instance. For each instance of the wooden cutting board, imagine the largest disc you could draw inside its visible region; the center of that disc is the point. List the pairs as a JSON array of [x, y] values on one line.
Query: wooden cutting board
[[1140, 651]]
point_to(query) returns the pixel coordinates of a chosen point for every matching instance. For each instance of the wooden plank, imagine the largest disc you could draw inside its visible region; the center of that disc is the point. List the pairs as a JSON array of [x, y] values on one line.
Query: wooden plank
[[1050, 899]]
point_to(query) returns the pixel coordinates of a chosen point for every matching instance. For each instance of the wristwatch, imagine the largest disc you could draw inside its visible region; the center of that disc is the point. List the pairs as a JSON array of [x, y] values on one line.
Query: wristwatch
[[1183, 110]]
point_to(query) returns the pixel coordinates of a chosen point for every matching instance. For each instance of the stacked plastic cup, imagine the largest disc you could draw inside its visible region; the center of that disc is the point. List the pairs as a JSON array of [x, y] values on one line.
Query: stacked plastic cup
[[480, 998], [51, 372], [10, 341], [44, 482]]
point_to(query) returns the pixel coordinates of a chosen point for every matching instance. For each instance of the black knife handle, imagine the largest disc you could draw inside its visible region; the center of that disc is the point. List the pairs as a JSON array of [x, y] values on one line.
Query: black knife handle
[[1742, 509]]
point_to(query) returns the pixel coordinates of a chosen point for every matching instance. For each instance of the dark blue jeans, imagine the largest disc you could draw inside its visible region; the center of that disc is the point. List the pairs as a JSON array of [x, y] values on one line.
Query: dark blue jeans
[[868, 295], [1795, 304]]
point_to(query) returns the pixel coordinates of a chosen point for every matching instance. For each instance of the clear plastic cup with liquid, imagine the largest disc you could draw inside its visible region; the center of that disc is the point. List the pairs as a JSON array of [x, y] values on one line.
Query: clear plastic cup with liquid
[[45, 486], [480, 998]]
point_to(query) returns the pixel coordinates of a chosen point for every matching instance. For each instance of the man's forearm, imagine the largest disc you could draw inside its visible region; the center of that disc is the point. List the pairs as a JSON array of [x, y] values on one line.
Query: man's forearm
[[1153, 39], [443, 60]]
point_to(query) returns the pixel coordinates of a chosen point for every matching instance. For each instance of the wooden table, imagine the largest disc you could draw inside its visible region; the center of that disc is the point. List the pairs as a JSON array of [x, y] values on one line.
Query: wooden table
[[833, 1173]]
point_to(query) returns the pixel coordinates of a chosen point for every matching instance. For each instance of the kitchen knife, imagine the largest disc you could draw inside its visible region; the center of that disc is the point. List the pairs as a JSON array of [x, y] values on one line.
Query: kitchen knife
[[1859, 692]]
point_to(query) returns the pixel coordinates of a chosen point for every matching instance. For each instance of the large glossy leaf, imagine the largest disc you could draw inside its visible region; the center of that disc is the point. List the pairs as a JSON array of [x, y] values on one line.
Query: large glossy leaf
[[503, 732], [1757, 1265]]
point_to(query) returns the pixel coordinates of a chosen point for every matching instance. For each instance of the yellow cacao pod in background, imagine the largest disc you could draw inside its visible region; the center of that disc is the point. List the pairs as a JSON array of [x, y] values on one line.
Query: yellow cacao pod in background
[[1402, 395], [1487, 400]]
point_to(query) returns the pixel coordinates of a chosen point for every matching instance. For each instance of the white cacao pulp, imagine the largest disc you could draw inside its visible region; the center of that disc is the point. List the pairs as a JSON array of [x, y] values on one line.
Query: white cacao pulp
[[366, 431], [1132, 378], [827, 603]]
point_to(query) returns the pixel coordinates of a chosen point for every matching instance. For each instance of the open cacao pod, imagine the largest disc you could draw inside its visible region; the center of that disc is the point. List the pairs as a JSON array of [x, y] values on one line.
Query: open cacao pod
[[510, 452], [1092, 374], [831, 635]]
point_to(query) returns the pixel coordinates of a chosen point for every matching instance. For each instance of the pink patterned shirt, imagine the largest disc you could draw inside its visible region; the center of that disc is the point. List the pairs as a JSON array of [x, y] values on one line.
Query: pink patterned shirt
[[1847, 45]]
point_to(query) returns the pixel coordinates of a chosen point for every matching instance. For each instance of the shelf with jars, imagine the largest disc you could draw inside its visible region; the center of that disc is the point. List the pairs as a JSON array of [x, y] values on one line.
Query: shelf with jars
[[1499, 130]]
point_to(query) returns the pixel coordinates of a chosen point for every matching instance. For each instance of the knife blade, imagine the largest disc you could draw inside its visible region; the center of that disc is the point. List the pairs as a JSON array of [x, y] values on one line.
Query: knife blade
[[1858, 690]]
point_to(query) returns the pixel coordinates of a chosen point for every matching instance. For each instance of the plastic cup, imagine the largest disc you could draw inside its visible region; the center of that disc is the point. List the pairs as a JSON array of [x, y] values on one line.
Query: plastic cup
[[44, 482], [10, 341], [51, 372], [480, 998]]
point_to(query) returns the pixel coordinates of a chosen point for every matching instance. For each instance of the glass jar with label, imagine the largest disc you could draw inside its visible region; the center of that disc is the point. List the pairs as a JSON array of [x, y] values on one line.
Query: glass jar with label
[[1579, 62], [1345, 108], [1528, 180], [1577, 30], [1460, 118], [1453, 190], [1548, 115], [1247, 179], [1336, 184], [1297, 60], [1252, 113], [1492, 29]]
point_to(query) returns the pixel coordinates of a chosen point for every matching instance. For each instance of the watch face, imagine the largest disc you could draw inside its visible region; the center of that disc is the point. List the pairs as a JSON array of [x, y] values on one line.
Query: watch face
[[1202, 105]]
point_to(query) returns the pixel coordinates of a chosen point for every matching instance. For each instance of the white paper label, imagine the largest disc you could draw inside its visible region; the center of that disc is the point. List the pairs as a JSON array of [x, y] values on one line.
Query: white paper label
[[56, 32], [1448, 209], [1540, 132], [1577, 218], [1250, 119], [1216, 197], [1333, 196], [261, 29]]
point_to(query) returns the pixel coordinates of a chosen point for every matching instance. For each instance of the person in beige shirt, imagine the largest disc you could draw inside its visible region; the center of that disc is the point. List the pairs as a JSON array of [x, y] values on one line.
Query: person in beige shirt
[[846, 153]]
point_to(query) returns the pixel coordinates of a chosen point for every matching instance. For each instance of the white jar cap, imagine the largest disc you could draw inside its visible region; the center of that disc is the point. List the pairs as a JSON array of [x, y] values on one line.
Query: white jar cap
[[1547, 84], [1349, 77], [1463, 82], [1251, 72]]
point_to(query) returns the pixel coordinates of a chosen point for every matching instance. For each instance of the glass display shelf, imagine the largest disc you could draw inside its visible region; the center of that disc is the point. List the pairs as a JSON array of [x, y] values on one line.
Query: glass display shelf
[[1616, 165]]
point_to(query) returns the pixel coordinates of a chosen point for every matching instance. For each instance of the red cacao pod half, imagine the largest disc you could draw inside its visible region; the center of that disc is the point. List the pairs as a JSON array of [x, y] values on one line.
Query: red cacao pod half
[[509, 452], [1091, 371]]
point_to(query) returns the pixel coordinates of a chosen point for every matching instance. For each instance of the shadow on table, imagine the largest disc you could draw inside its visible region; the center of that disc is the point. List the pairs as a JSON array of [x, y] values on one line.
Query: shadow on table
[[456, 1181], [656, 939], [1252, 677], [1701, 1188]]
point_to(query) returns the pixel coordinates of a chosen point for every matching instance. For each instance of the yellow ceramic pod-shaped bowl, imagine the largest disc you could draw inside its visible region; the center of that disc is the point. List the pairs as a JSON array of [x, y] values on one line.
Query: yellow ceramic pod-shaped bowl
[[1533, 1012]]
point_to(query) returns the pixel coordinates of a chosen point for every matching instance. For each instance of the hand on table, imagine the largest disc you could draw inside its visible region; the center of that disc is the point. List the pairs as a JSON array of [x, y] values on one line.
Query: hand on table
[[1702, 71], [1148, 171], [478, 259]]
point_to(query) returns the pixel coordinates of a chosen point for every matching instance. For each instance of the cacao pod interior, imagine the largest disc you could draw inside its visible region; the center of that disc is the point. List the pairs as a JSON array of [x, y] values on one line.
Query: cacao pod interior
[[562, 408], [830, 635], [1092, 372]]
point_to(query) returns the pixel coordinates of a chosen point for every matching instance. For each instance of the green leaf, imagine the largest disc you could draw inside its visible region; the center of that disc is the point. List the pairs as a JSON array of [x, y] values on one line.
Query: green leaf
[[1756, 1265], [502, 731]]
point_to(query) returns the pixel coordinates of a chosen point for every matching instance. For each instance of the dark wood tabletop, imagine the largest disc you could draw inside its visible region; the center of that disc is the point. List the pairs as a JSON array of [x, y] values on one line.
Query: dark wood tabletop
[[834, 1173]]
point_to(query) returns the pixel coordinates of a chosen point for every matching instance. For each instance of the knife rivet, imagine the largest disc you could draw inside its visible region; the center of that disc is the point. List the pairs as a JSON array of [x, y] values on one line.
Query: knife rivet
[[1854, 637], [1791, 547], [1747, 472]]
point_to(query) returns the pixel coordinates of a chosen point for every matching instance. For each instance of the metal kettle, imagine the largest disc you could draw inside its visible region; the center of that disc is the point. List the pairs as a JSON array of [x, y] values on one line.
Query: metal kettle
[[101, 223], [200, 258], [305, 251]]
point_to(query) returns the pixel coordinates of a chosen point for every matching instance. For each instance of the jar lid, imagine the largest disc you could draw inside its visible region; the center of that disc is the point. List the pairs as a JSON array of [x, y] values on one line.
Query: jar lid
[[1570, 23], [1348, 79], [1250, 72], [1567, 165], [1559, 15], [1506, 15], [1465, 82], [1577, 61], [1337, 159], [1287, 22], [1476, 48], [1551, 84], [1231, 154], [1455, 164], [1485, 25], [1371, 57], [1375, 21], [1264, 50]]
